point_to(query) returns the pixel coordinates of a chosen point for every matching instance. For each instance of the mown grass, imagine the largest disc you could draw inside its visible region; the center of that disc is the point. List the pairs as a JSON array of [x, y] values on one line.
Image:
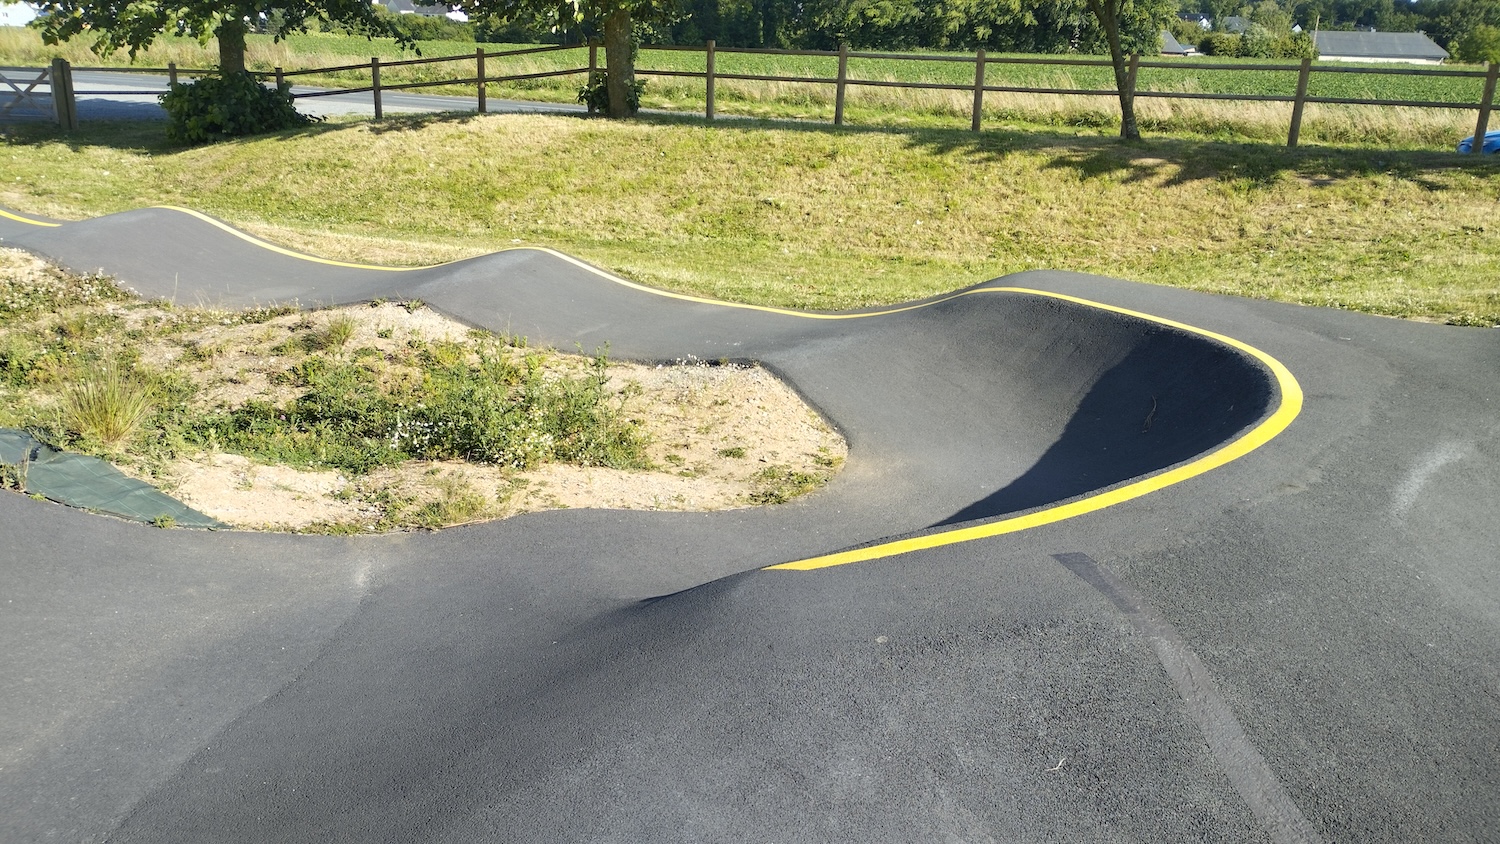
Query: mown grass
[[812, 217], [1357, 125]]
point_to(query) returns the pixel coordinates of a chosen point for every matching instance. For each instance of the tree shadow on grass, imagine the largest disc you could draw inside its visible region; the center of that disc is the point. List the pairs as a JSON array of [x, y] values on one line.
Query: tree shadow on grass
[[1166, 161], [149, 135], [1247, 166]]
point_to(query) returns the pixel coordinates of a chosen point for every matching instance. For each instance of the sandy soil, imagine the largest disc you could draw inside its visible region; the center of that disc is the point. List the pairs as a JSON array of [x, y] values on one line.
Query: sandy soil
[[719, 436], [712, 429]]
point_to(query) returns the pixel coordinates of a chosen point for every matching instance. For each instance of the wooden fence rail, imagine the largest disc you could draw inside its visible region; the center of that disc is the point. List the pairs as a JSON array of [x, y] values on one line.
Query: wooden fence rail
[[842, 81], [45, 93]]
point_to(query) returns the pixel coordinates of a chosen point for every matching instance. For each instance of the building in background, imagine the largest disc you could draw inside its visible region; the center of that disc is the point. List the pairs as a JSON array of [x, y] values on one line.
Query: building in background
[[16, 14], [1411, 47]]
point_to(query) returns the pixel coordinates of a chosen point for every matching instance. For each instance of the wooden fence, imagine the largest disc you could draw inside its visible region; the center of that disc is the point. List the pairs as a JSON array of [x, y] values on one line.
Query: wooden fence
[[842, 81], [480, 80], [54, 102]]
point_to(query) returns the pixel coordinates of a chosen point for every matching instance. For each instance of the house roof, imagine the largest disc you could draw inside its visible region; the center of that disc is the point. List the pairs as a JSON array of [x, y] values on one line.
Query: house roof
[[409, 7], [1170, 45], [1235, 23], [1378, 45]]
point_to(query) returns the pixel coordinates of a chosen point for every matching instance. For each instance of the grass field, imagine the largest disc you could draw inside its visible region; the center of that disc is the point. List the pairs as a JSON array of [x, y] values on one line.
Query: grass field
[[809, 216], [1405, 128]]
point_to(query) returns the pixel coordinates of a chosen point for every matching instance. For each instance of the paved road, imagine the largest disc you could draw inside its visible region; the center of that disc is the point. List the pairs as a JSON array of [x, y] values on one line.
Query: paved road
[[1301, 643], [131, 96]]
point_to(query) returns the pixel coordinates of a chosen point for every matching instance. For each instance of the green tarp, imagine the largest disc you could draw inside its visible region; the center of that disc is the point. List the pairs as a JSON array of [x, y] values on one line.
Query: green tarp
[[92, 484]]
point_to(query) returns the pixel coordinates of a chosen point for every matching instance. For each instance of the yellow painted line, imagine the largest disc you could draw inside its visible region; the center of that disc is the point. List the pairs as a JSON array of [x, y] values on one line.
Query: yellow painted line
[[281, 250], [18, 218], [1288, 410], [682, 297]]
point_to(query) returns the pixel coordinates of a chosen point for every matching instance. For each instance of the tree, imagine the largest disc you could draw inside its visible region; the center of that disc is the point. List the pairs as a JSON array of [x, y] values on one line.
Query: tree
[[135, 24], [614, 18], [1220, 11], [1479, 45], [1111, 14], [1448, 21]]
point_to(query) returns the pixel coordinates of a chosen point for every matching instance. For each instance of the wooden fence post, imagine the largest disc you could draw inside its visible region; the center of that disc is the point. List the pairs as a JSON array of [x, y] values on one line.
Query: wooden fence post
[[171, 73], [64, 105], [1299, 103], [593, 68], [1130, 74], [708, 109], [838, 92], [479, 72], [1485, 106], [280, 78], [978, 88], [375, 86]]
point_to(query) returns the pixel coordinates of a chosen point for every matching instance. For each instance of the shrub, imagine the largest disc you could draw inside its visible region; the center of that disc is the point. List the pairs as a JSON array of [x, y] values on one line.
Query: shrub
[[1187, 33], [1258, 43], [1296, 46], [595, 94], [215, 108], [1219, 44]]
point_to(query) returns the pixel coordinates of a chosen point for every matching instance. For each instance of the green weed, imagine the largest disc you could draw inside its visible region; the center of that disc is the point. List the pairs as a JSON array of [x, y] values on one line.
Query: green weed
[[337, 333], [780, 484], [457, 503]]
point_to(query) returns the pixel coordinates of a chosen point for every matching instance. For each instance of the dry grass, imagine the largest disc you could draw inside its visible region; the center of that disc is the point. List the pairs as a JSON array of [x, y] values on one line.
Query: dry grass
[[106, 405], [810, 217]]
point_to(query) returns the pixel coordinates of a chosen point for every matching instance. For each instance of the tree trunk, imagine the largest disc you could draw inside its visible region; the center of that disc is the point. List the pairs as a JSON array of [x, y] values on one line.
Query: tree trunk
[[619, 63], [1108, 13], [231, 36], [770, 23]]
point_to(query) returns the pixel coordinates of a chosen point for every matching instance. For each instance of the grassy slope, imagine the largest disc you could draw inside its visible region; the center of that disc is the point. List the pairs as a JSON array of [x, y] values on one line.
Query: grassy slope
[[812, 217]]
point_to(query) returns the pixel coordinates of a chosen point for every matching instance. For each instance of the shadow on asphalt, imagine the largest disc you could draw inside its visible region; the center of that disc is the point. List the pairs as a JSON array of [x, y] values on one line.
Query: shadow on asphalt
[[1171, 398]]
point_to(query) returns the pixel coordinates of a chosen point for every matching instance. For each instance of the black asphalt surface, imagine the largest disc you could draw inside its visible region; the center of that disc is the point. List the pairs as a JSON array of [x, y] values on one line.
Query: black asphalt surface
[[1302, 644]]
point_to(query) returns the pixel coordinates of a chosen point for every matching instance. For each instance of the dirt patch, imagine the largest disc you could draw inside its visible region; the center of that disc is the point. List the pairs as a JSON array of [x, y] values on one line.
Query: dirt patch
[[719, 436], [714, 433], [715, 436]]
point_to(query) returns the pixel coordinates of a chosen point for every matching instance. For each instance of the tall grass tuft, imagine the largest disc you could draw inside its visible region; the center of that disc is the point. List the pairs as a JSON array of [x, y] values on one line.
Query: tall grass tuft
[[106, 405], [337, 333]]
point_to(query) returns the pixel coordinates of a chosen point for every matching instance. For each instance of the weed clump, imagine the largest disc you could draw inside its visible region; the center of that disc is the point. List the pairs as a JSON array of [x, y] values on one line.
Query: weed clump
[[478, 401], [107, 405]]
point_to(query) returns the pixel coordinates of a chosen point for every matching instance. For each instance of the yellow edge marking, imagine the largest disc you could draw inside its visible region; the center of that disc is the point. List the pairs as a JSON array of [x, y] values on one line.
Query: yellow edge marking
[[683, 297], [281, 250], [18, 218], [1290, 407]]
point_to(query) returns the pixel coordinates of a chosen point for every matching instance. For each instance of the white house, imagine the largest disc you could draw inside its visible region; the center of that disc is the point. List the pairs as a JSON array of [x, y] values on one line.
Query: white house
[[16, 14], [1408, 47]]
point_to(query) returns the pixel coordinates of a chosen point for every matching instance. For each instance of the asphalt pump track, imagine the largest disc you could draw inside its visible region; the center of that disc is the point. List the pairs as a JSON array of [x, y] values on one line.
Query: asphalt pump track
[[1108, 561]]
